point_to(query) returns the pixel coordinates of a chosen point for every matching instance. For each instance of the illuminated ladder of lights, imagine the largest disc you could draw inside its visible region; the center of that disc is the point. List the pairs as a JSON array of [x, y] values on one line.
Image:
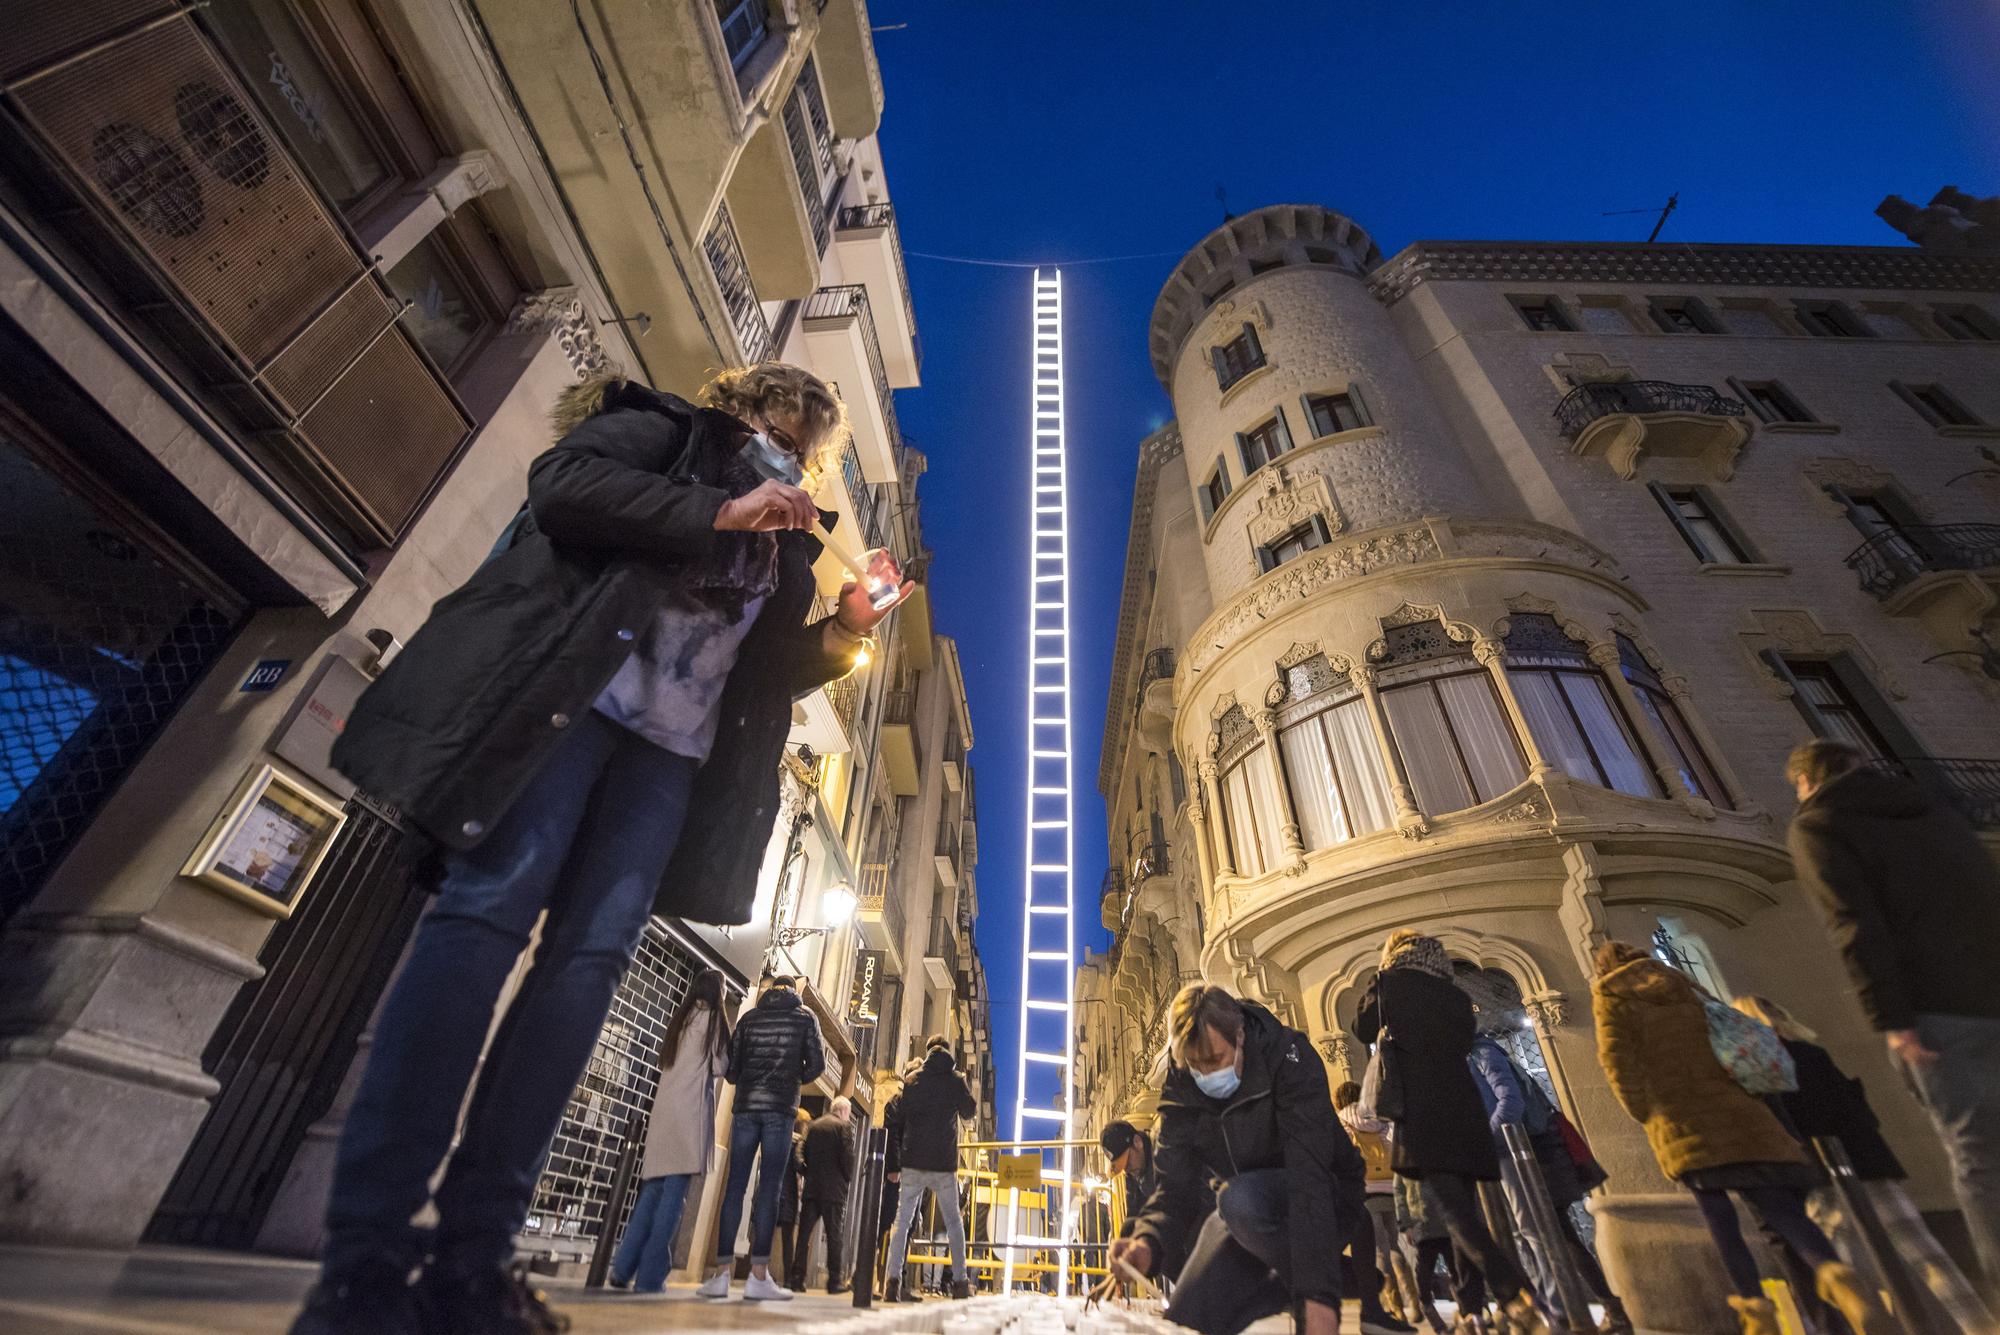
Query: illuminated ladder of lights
[[1048, 966]]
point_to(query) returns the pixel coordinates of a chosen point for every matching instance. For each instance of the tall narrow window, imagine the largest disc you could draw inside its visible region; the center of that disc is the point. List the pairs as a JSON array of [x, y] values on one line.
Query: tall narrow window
[[1832, 708], [1830, 319], [1542, 313], [1697, 775], [1264, 442], [1570, 709], [1332, 413], [1448, 723], [1214, 491], [1966, 323], [1250, 797], [1699, 522], [743, 27], [1771, 401], [1683, 315], [1237, 358], [1298, 542], [1339, 787], [1936, 405]]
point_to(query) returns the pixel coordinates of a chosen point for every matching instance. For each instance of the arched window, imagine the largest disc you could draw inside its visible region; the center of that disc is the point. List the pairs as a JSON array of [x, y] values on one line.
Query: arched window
[[1249, 795], [1447, 719], [1697, 775], [1570, 710], [1331, 756]]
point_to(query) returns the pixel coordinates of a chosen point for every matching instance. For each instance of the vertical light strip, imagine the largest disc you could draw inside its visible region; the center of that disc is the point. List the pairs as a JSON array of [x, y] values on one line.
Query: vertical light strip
[[1048, 888]]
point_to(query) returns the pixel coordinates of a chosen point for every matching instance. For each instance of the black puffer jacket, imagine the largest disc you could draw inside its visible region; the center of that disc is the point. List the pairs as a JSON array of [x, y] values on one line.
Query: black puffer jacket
[[618, 510], [932, 1105], [1911, 895], [775, 1049], [1281, 1116]]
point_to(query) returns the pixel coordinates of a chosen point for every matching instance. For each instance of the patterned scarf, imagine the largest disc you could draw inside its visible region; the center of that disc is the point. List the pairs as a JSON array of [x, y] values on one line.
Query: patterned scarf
[[742, 566], [1422, 953]]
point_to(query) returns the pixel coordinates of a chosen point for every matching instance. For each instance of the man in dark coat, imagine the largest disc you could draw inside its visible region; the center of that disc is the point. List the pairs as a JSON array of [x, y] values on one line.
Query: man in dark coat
[[829, 1160], [1913, 901], [1245, 1102], [775, 1049], [590, 728], [931, 1107]]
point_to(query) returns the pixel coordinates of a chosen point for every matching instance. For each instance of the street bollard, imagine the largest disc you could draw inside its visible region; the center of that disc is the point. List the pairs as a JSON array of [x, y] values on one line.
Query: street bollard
[[621, 1188], [868, 1245], [1911, 1309], [1572, 1294]]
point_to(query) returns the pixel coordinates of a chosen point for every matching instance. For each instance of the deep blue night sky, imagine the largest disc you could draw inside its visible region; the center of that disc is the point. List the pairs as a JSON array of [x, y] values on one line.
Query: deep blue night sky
[[1051, 130]]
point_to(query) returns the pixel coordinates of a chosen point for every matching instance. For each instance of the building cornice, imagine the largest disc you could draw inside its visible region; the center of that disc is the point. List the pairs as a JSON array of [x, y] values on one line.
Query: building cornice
[[1154, 452], [1890, 268]]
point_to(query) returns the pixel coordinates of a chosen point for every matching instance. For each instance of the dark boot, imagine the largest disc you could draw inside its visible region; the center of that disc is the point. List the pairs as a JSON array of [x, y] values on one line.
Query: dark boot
[[961, 1288], [373, 1300], [892, 1290], [487, 1302]]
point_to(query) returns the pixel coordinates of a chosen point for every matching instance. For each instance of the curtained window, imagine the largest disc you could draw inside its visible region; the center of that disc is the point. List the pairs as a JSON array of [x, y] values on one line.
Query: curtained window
[[1453, 735], [1569, 708], [1338, 783], [1697, 775], [1250, 799]]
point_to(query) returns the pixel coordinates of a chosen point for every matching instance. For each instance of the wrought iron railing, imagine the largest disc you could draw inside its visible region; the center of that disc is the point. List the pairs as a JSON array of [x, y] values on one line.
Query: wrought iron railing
[[864, 495], [944, 941], [861, 217], [947, 840], [805, 164], [874, 894], [845, 695], [850, 302], [1150, 859], [1895, 556], [1587, 403], [1973, 786], [899, 706], [739, 296], [1158, 665]]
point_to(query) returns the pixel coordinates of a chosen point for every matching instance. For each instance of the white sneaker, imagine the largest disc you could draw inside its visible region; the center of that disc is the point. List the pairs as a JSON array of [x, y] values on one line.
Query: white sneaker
[[765, 1291], [715, 1286]]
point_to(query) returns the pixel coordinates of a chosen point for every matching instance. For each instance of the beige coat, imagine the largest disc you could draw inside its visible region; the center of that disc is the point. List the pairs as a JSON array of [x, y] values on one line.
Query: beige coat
[[680, 1135]]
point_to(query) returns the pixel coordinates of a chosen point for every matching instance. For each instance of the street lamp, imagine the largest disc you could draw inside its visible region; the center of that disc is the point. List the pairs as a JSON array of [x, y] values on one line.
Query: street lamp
[[837, 904]]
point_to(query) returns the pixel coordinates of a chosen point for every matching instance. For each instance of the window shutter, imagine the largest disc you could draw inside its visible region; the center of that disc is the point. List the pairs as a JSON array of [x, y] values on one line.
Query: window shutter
[[1267, 560], [1361, 413], [1284, 432], [1688, 535], [1875, 710], [1662, 318], [1783, 672], [1320, 527], [1256, 348], [1744, 550], [1221, 367], [1243, 452]]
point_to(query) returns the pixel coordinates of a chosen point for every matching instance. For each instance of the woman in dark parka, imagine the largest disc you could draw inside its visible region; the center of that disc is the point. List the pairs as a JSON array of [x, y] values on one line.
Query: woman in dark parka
[[1442, 1139], [591, 728]]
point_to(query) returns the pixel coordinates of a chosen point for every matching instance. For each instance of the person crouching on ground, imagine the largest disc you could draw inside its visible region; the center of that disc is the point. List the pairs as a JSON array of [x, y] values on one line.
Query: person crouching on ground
[[592, 727], [1245, 1101]]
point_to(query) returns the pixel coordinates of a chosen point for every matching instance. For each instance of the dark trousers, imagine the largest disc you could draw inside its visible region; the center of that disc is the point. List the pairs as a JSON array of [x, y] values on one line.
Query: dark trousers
[[754, 1135], [811, 1214], [1363, 1276], [1468, 1289], [1457, 1199], [1237, 1272], [588, 841], [1779, 1210]]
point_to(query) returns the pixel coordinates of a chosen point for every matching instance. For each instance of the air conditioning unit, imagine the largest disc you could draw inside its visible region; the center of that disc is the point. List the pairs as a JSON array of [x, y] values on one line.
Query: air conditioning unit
[[145, 118]]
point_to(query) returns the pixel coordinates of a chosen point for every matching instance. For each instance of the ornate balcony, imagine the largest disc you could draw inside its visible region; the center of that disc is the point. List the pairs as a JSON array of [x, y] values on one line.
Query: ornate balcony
[[1153, 709], [880, 909], [1945, 575], [1973, 786], [946, 854], [902, 758], [871, 249], [1626, 420], [842, 339]]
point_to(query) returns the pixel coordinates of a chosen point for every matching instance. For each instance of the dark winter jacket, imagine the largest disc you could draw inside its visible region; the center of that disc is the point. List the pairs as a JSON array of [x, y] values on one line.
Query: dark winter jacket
[[1444, 1128], [931, 1106], [1140, 1179], [1911, 895], [788, 1190], [1281, 1116], [618, 510], [1829, 1102], [892, 1126], [775, 1049], [829, 1158]]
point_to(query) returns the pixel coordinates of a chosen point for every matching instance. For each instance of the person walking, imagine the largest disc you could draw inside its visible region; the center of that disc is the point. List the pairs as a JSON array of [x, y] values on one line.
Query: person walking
[[680, 1134], [1515, 1098], [1245, 1102], [558, 736], [829, 1165], [1912, 899], [1442, 1136], [776, 1048], [1437, 1260], [1711, 1136], [1829, 1104], [1371, 1136], [932, 1105]]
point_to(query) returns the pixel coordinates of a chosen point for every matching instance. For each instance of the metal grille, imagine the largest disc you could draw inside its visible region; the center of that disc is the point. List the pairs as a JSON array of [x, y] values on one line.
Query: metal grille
[[802, 163], [739, 296], [100, 641], [288, 1039], [568, 1210]]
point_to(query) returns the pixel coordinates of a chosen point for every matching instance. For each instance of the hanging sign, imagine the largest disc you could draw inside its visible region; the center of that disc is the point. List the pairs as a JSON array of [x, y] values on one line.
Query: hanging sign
[[864, 999], [1019, 1172]]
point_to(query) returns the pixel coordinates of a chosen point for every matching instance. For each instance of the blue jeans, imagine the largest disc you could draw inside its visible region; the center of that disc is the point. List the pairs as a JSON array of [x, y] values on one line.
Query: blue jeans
[[1961, 1090], [1236, 1272], [646, 1253], [752, 1134], [588, 841]]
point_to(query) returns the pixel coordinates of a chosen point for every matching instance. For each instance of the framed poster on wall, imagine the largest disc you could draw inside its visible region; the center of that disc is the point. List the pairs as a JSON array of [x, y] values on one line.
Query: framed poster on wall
[[266, 844]]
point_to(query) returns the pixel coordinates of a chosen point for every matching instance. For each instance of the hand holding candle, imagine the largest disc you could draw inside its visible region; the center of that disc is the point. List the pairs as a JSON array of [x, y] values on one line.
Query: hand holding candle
[[880, 586]]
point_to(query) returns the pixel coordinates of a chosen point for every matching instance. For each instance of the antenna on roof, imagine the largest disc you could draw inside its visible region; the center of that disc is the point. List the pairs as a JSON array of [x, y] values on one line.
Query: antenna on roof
[[1222, 198], [1673, 202]]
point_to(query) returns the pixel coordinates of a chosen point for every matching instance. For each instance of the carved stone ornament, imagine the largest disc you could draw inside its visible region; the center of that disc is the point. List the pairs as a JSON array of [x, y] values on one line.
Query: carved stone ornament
[[1232, 314], [560, 311], [1521, 812], [1797, 631], [1288, 502], [1588, 368], [1338, 1050], [1550, 1010], [1829, 473], [1274, 694], [1223, 704], [1297, 654]]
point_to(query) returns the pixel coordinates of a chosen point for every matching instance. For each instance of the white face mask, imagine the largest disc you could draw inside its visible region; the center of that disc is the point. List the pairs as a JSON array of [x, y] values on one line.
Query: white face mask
[[771, 461], [1217, 1084]]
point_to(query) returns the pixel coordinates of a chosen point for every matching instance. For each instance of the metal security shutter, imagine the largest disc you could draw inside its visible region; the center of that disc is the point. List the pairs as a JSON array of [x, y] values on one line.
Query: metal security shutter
[[142, 116]]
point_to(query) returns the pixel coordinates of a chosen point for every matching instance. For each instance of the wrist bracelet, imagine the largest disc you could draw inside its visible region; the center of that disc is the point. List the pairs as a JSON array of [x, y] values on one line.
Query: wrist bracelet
[[840, 629]]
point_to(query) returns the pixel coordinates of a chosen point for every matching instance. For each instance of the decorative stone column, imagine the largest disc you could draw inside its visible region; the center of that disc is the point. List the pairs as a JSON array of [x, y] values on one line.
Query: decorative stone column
[[1211, 788], [1604, 653], [1409, 819], [1549, 1011], [1491, 655], [1295, 848], [1339, 1051]]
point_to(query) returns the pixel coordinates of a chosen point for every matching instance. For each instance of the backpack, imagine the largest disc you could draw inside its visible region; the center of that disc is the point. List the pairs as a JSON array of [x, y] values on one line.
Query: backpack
[[1749, 1050], [1375, 1153]]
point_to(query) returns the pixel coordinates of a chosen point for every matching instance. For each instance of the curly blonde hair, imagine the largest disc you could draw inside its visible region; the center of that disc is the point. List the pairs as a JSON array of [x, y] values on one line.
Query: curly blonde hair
[[792, 391]]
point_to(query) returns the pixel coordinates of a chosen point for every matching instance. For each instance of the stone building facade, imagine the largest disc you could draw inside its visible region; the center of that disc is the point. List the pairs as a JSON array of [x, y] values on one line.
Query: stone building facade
[[287, 289], [1484, 588]]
